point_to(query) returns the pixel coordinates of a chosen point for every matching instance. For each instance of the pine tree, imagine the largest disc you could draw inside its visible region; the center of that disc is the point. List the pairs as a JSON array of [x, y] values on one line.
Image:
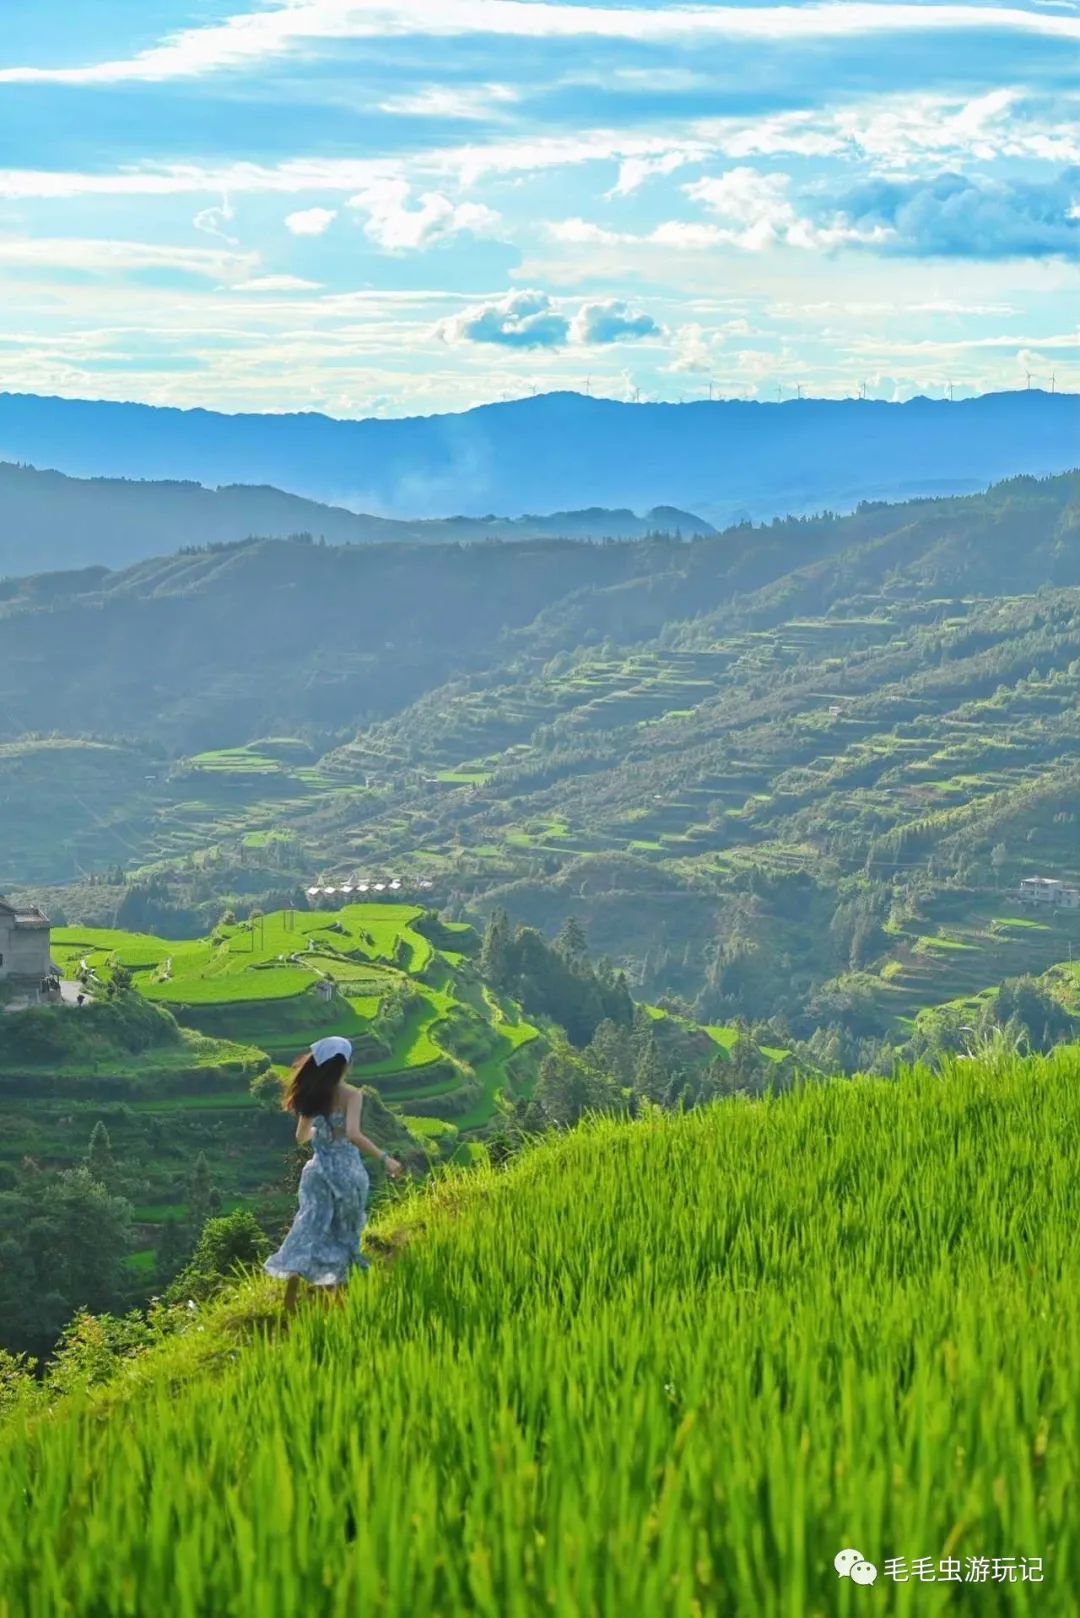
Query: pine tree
[[571, 942], [495, 952], [99, 1155], [199, 1194], [174, 1251], [651, 1075]]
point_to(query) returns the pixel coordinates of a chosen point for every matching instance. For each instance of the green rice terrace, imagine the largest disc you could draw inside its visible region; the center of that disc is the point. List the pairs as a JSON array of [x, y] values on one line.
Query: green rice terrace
[[846, 1317], [435, 1043], [716, 754]]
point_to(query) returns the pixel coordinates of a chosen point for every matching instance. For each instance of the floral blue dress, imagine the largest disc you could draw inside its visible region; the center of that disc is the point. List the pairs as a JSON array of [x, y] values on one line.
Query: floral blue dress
[[323, 1244]]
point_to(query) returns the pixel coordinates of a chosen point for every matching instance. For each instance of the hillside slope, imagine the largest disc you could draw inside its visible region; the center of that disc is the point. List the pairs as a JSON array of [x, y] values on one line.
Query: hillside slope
[[432, 1043], [669, 1368], [49, 521], [213, 648], [791, 769], [725, 458]]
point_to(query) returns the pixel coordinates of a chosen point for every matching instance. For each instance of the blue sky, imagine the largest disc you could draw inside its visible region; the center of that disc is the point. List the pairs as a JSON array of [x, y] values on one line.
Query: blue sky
[[403, 206]]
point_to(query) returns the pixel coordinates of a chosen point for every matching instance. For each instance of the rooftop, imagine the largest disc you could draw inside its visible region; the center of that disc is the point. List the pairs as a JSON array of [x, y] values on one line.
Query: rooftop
[[24, 915]]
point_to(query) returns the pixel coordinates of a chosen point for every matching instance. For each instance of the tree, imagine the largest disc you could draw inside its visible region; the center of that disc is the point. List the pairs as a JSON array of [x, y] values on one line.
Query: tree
[[571, 942], [99, 1156], [651, 1074], [569, 1087], [495, 951], [174, 1251], [200, 1193], [233, 1242], [63, 1241], [748, 1066]]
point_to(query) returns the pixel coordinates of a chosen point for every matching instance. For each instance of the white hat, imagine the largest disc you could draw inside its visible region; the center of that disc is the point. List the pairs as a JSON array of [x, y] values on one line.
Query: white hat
[[324, 1049]]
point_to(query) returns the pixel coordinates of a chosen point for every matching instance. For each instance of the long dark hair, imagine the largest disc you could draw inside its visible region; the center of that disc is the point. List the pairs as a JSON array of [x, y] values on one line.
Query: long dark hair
[[311, 1086]]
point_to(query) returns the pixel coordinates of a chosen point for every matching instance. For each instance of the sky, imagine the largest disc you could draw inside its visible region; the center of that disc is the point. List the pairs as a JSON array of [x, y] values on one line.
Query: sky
[[398, 207]]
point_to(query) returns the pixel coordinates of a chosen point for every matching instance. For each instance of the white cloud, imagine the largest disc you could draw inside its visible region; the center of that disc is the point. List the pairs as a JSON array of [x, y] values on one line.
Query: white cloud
[[757, 213], [275, 283], [310, 221], [250, 37], [611, 321], [694, 350], [899, 131], [580, 232], [395, 224], [211, 221], [526, 319], [890, 132], [687, 233], [480, 102], [113, 257], [187, 179], [634, 171], [532, 320]]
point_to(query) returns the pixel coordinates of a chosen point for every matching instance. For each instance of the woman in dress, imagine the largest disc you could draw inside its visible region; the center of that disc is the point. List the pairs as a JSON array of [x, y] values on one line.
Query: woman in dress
[[323, 1244]]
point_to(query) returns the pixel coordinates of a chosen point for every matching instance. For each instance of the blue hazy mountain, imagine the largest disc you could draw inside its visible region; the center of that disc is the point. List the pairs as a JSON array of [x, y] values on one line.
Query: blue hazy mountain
[[51, 521], [725, 459]]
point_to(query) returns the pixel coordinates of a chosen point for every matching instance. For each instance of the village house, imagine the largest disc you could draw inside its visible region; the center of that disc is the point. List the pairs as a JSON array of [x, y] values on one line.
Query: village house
[[1048, 890], [25, 959]]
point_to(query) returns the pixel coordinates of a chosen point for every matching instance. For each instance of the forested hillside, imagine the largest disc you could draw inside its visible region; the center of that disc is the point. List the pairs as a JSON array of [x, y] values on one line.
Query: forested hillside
[[49, 521], [787, 772]]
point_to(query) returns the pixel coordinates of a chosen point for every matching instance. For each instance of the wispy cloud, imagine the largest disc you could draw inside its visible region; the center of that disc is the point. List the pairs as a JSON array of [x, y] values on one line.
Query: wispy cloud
[[275, 283], [212, 221], [468, 103], [247, 38], [107, 258], [698, 187]]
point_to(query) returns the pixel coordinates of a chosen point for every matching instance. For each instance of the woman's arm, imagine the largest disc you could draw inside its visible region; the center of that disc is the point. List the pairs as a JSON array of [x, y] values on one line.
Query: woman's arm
[[303, 1130], [353, 1115]]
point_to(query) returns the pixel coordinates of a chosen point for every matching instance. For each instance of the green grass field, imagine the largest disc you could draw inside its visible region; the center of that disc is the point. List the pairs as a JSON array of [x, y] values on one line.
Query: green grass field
[[668, 1368]]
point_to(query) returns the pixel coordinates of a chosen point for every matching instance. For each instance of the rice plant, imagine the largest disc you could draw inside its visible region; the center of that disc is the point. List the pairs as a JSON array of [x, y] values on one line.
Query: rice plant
[[669, 1367]]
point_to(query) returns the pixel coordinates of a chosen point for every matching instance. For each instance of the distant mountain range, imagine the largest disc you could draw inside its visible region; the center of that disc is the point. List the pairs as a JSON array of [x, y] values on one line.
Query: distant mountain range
[[725, 459], [51, 521]]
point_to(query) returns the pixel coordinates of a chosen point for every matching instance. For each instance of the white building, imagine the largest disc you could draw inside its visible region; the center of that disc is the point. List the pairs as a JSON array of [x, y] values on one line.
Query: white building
[[1048, 890], [24, 945]]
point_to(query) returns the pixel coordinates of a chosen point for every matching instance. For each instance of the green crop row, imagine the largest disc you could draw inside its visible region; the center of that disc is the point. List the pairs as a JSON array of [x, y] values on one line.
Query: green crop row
[[670, 1367]]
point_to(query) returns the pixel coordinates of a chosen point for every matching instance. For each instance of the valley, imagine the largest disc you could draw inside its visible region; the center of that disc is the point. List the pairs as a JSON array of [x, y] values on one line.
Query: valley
[[792, 771]]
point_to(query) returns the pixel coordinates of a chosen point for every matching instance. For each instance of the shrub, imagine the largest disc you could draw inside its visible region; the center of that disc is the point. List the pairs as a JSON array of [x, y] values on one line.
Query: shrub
[[227, 1244]]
